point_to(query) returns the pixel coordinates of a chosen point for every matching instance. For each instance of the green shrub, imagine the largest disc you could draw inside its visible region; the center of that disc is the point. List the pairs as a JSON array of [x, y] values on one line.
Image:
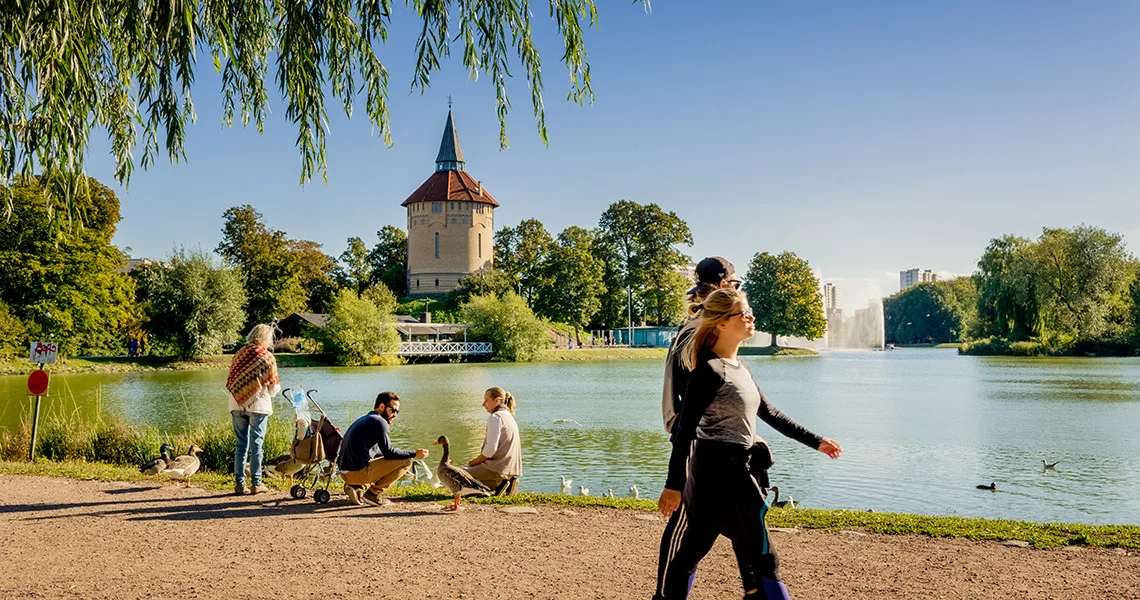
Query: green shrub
[[361, 328], [298, 345], [508, 323]]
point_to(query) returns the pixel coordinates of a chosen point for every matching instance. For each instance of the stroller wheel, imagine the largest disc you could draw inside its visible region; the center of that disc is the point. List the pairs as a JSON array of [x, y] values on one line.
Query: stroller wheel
[[322, 496], [298, 491]]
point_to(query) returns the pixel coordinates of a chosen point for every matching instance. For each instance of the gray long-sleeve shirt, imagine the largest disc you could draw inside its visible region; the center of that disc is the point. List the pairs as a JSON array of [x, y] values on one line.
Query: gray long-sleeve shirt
[[721, 404]]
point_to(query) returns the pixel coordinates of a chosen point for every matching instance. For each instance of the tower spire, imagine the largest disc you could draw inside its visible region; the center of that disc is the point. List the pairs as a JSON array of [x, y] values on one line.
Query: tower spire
[[450, 157]]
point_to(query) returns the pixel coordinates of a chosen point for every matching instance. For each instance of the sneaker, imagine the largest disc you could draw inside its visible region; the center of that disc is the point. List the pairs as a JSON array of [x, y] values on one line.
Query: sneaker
[[375, 499], [259, 489], [240, 489], [353, 495]]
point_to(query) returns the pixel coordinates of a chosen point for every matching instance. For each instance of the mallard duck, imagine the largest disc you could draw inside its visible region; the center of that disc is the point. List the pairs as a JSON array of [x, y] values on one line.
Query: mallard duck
[[789, 503], [156, 466], [184, 467], [633, 493], [457, 480], [991, 487], [284, 466]]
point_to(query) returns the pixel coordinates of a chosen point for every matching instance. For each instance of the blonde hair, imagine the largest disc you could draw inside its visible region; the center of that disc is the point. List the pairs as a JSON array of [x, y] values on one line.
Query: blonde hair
[[717, 308], [261, 334], [498, 393]]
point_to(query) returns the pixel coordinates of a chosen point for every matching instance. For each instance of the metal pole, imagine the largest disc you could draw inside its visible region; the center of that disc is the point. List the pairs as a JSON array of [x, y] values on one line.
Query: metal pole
[[35, 426], [630, 315]]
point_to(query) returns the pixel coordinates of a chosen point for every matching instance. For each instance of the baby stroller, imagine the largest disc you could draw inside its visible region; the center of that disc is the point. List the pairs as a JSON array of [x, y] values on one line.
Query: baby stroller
[[316, 450]]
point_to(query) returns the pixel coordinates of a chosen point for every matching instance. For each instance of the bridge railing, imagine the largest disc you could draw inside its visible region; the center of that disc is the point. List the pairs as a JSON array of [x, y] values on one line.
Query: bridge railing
[[442, 348]]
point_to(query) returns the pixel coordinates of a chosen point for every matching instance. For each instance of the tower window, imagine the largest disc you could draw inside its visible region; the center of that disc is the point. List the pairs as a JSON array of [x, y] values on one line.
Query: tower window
[[436, 283], [436, 207], [417, 284], [437, 245], [451, 205]]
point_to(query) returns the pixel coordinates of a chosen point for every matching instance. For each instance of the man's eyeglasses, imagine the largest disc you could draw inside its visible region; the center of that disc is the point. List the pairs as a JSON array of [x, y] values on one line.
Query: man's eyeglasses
[[394, 411], [735, 283], [744, 314]]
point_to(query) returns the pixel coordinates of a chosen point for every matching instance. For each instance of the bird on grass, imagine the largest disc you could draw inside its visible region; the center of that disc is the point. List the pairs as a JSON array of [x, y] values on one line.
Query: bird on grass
[[609, 494], [789, 503], [991, 487], [283, 466], [156, 466], [458, 481], [633, 493], [184, 467], [583, 491]]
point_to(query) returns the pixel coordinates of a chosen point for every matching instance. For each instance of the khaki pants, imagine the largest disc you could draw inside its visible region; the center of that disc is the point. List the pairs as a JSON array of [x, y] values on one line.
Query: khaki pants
[[379, 474], [485, 476]]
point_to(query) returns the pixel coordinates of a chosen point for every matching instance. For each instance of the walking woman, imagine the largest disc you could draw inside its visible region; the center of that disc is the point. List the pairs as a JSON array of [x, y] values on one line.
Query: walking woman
[[251, 384], [719, 492], [500, 459]]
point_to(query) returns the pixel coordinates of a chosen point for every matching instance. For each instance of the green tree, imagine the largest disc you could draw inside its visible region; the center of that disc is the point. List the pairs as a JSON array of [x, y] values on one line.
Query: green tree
[[361, 327], [931, 313], [522, 253], [1008, 296], [785, 296], [479, 283], [356, 272], [389, 259], [270, 274], [573, 280], [1084, 274], [1134, 295], [69, 289], [193, 306], [13, 335], [316, 272], [130, 67], [641, 243], [515, 333]]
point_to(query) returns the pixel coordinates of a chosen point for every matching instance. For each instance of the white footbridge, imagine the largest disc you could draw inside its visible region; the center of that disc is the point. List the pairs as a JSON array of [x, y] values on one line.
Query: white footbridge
[[431, 348]]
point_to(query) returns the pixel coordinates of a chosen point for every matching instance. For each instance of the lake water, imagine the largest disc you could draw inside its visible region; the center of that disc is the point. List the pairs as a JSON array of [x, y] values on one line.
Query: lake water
[[920, 428]]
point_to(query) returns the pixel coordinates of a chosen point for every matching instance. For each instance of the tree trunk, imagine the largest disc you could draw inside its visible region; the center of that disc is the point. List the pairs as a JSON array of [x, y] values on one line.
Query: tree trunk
[[577, 334], [773, 344]]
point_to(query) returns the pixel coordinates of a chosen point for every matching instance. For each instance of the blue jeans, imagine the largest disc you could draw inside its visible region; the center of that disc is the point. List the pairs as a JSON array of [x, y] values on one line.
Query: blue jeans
[[249, 429]]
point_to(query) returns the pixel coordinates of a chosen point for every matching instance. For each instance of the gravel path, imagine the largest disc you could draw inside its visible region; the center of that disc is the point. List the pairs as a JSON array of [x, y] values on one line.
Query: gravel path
[[64, 538]]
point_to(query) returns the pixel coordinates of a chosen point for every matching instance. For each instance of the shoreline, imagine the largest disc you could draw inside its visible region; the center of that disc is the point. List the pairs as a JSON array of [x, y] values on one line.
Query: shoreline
[[1029, 534]]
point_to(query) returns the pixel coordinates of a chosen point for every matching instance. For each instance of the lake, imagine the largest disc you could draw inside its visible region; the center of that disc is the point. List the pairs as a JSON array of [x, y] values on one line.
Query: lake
[[920, 428]]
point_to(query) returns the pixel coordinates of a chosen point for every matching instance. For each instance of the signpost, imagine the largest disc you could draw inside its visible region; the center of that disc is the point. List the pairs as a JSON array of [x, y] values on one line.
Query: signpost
[[42, 353]]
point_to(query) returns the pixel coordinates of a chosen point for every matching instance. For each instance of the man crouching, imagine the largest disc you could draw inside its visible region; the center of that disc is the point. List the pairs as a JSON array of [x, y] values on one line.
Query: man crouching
[[367, 458]]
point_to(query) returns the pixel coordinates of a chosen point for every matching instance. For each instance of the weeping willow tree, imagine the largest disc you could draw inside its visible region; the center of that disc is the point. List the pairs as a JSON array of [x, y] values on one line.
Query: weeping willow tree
[[128, 66]]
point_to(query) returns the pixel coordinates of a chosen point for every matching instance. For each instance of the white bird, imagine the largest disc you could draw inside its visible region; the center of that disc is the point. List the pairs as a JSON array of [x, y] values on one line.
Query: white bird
[[633, 491], [789, 503], [1046, 465], [566, 422], [566, 484], [583, 491], [609, 493]]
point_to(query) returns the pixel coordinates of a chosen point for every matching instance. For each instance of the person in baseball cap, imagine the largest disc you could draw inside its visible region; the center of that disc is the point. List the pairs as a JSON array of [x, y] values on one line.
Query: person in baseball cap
[[715, 272]]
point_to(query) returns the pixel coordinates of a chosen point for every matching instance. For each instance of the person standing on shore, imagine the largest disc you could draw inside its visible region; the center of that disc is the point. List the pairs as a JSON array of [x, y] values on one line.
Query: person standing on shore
[[713, 273], [718, 490], [252, 383], [500, 459]]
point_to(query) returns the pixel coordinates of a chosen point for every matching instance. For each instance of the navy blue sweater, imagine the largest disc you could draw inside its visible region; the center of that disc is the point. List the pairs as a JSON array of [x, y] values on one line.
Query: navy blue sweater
[[368, 438]]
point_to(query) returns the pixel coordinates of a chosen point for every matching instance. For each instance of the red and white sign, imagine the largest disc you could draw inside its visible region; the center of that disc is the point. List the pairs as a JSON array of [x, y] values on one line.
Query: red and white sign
[[38, 383], [43, 352]]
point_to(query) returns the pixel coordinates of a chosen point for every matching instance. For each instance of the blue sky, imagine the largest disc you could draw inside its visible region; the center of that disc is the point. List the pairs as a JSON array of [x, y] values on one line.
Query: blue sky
[[867, 137]]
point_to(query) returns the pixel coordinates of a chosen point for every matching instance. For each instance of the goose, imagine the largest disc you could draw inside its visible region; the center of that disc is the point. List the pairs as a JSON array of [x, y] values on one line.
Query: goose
[[789, 503], [1048, 466], [566, 484], [633, 493], [184, 467], [284, 466], [991, 487], [583, 491], [458, 481], [609, 494], [156, 466]]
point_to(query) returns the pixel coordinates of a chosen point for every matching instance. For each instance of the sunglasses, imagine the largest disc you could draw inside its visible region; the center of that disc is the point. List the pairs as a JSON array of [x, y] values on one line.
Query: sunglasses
[[394, 411], [744, 314]]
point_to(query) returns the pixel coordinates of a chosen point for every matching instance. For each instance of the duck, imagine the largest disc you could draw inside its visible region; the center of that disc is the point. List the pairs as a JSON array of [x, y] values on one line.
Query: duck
[[789, 503], [458, 481], [283, 466], [184, 467], [583, 491], [566, 484], [1048, 466], [156, 466], [991, 487], [633, 493]]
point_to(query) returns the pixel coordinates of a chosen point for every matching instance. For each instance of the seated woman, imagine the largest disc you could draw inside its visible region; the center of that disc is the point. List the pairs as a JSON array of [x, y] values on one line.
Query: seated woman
[[500, 459]]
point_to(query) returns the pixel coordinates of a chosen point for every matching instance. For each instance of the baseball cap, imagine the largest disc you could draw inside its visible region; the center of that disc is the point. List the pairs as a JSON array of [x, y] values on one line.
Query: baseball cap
[[712, 270]]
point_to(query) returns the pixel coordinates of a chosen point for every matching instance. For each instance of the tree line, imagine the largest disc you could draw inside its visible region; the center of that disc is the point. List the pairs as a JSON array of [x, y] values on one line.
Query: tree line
[[1069, 291]]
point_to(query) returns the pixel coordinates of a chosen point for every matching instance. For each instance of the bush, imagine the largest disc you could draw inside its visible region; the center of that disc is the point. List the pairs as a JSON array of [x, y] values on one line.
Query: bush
[[194, 307], [361, 328], [508, 323], [298, 345]]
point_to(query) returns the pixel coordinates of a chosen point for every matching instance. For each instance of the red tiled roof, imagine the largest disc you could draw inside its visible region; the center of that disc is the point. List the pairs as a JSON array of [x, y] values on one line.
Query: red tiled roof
[[450, 185]]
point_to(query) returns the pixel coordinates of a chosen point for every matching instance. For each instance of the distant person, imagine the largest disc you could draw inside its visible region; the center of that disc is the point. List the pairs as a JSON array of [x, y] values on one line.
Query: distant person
[[713, 273], [133, 348], [252, 384], [500, 458], [367, 458], [716, 484]]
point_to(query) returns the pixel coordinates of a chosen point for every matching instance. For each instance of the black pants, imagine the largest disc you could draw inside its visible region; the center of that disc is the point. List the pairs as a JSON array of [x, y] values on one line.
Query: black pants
[[721, 498]]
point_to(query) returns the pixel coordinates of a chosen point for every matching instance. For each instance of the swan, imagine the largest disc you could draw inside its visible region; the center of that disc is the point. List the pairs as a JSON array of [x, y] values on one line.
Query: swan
[[566, 484], [583, 491], [609, 493]]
